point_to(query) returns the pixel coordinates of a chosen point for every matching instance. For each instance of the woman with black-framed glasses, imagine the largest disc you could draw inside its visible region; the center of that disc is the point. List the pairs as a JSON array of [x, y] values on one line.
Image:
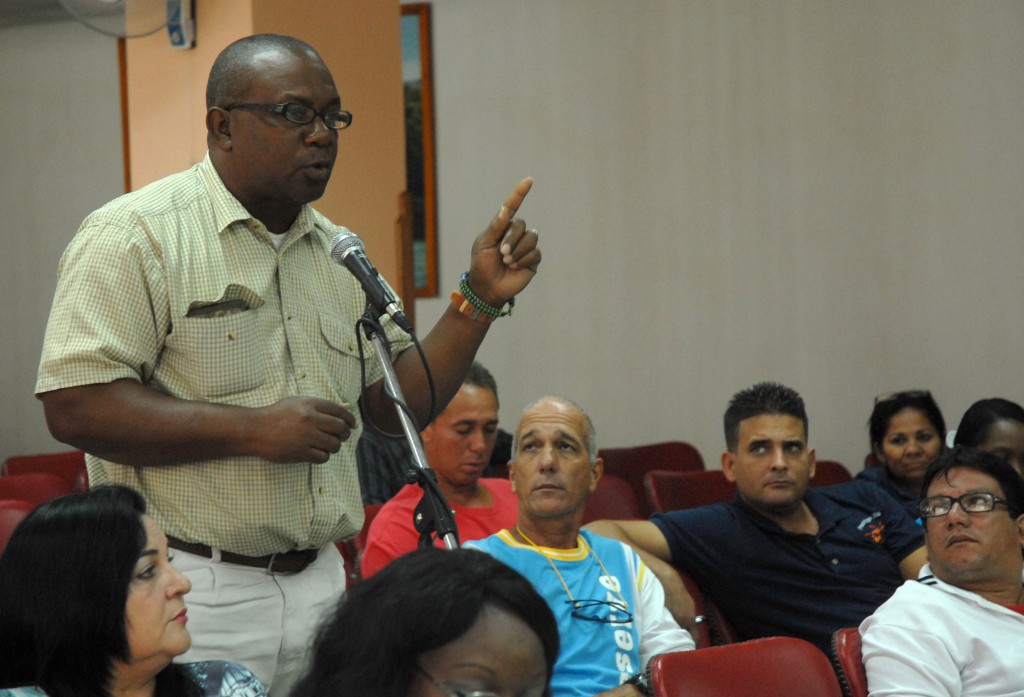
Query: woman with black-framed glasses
[[907, 435]]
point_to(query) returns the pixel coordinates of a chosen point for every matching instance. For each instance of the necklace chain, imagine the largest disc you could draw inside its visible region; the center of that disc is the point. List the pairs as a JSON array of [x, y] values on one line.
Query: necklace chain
[[590, 552]]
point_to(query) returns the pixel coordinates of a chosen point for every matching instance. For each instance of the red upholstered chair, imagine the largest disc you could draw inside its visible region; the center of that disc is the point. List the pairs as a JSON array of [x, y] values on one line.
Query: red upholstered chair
[[719, 627], [848, 662], [714, 629], [670, 491], [12, 512], [828, 472], [34, 487], [69, 466], [613, 499], [702, 635], [351, 549], [770, 667], [632, 463]]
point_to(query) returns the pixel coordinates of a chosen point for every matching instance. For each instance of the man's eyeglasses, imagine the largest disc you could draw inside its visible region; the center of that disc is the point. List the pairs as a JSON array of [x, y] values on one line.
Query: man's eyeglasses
[[335, 119], [906, 394], [450, 691], [590, 609], [973, 502]]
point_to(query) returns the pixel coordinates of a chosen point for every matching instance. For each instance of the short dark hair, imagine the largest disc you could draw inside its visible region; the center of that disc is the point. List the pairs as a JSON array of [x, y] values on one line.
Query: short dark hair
[[994, 466], [479, 376], [64, 579], [976, 421], [231, 74], [762, 398], [421, 601], [891, 405]]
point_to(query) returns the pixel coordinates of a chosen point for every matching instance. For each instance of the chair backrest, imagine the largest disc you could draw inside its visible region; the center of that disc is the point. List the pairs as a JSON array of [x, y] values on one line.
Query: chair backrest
[[848, 662], [632, 463], [770, 667], [828, 472], [352, 548], [369, 512], [12, 512], [613, 499], [714, 629], [35, 487], [670, 491], [702, 634], [69, 466], [719, 626]]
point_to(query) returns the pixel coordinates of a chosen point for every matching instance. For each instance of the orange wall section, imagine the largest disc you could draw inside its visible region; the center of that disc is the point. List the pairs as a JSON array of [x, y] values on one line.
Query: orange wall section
[[360, 42]]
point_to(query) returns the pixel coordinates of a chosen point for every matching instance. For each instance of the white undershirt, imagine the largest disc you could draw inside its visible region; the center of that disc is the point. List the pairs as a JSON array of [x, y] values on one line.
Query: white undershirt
[[278, 238]]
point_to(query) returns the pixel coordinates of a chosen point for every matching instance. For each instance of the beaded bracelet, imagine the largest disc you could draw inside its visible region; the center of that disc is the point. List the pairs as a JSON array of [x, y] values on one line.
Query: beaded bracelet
[[469, 303]]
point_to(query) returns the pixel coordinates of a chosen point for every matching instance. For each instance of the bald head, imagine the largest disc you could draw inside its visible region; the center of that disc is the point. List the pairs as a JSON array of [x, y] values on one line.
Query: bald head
[[233, 72], [555, 404], [554, 469], [273, 165]]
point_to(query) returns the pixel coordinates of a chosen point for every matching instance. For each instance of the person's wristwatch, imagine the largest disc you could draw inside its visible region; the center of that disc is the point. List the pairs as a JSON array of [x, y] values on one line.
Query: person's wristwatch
[[640, 682]]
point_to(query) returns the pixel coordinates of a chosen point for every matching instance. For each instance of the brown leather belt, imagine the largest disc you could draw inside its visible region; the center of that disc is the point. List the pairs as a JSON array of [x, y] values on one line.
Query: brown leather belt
[[281, 563]]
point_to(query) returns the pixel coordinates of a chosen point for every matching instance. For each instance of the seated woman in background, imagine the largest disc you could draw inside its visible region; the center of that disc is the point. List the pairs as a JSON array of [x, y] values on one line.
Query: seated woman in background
[[436, 622], [90, 606], [995, 426], [907, 431]]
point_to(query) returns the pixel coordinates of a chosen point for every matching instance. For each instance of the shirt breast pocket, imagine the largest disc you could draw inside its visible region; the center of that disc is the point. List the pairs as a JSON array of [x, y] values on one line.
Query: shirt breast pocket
[[215, 356], [340, 354]]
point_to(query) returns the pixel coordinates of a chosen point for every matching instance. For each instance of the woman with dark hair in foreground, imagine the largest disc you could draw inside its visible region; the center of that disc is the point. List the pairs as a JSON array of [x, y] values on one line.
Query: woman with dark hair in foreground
[[90, 606], [436, 622]]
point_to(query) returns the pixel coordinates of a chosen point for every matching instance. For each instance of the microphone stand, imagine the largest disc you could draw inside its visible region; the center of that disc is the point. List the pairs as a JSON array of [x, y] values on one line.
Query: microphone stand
[[433, 512]]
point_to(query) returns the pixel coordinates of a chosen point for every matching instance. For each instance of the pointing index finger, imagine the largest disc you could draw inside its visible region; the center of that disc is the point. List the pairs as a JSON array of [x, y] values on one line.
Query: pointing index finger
[[513, 202]]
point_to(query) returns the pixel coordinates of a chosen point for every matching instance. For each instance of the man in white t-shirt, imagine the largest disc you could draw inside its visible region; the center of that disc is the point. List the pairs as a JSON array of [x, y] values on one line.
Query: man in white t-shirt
[[959, 628]]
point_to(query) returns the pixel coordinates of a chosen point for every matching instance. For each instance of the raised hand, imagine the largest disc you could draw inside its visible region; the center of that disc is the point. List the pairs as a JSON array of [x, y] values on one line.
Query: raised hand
[[505, 256]]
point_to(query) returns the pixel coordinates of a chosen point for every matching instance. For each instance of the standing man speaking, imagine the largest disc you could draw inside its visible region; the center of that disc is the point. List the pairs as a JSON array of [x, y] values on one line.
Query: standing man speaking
[[201, 349]]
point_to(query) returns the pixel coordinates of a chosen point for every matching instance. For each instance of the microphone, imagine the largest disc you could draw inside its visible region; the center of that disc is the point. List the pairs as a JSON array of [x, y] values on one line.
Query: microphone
[[347, 249]]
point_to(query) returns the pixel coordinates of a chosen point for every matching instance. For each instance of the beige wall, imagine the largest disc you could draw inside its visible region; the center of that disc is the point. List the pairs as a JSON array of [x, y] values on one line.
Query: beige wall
[[821, 192], [825, 193], [61, 151], [167, 91]]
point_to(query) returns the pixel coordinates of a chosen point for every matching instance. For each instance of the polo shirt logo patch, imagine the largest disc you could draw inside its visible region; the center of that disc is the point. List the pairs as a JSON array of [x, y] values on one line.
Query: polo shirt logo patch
[[873, 528]]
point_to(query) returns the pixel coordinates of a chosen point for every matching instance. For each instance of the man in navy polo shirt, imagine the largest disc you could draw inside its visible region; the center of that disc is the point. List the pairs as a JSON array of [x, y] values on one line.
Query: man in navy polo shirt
[[782, 559]]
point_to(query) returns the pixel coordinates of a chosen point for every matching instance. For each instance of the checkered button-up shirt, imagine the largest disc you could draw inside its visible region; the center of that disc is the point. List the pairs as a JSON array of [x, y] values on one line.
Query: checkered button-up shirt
[[178, 287]]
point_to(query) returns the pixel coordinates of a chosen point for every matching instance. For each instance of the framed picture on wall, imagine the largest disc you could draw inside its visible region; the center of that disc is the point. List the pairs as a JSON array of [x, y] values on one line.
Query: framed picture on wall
[[417, 78]]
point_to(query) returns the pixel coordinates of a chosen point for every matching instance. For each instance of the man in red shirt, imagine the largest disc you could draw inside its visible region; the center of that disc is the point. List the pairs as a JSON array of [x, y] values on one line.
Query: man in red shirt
[[458, 445]]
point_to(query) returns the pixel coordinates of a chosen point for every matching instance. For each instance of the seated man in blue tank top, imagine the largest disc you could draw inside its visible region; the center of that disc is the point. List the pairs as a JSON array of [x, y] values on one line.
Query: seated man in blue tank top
[[609, 606]]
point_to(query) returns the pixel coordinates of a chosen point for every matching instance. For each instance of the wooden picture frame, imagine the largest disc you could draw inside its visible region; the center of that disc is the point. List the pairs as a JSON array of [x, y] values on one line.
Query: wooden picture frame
[[421, 183]]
